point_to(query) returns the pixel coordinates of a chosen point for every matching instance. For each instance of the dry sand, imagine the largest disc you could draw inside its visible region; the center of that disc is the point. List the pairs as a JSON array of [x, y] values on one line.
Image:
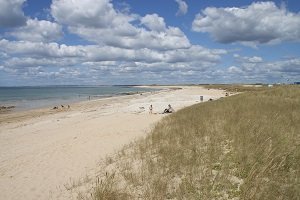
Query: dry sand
[[43, 151]]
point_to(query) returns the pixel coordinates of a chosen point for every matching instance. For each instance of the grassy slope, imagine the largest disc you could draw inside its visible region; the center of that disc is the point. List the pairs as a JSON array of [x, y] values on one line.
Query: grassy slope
[[236, 88], [241, 147]]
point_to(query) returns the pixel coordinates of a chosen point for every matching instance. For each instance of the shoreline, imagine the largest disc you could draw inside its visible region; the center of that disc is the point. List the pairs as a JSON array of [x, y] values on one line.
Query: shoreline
[[16, 104], [9, 116], [43, 151]]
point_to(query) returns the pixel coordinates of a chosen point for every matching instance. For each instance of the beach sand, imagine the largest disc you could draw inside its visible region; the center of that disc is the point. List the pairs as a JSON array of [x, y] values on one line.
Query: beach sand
[[43, 151]]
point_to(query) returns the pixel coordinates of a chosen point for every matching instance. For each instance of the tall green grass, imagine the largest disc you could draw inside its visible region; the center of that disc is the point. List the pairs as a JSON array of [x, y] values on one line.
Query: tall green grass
[[245, 146]]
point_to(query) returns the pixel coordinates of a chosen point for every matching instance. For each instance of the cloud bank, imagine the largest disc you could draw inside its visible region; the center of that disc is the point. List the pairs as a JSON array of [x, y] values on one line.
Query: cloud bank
[[38, 31], [121, 47], [104, 25], [258, 23]]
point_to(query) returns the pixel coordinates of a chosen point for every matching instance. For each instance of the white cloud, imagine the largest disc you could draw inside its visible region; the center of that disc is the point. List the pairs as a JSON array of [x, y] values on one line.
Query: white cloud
[[234, 69], [195, 53], [24, 58], [99, 22], [172, 38], [286, 66], [38, 31], [245, 59], [88, 13], [255, 69], [95, 53], [258, 23], [154, 22], [255, 59], [182, 7], [23, 64], [39, 49], [11, 14]]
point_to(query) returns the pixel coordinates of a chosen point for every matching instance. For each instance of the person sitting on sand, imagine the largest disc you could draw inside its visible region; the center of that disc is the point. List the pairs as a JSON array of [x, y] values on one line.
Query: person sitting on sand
[[169, 109]]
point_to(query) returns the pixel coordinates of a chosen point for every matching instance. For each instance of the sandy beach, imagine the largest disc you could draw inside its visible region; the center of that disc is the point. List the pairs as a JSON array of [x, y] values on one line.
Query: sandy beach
[[44, 150]]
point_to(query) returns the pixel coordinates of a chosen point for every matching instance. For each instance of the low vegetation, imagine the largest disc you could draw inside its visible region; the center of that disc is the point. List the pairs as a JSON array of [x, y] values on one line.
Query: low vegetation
[[245, 146], [237, 88]]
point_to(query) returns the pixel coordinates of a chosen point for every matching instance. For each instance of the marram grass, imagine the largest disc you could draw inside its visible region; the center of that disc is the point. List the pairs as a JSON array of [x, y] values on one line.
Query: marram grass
[[245, 146]]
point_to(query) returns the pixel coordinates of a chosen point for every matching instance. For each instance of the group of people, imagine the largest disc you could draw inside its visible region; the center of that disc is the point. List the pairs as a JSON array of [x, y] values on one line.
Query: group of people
[[167, 110], [62, 107]]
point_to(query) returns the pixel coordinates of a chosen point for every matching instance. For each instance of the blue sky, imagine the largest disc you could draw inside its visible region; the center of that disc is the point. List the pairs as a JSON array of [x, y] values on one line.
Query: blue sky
[[91, 42]]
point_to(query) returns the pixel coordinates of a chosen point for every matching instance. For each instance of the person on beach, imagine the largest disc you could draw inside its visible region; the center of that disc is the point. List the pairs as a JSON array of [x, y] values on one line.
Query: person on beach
[[150, 109], [169, 109]]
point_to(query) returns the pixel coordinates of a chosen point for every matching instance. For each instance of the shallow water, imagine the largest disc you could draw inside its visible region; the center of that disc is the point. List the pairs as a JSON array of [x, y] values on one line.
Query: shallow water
[[26, 98]]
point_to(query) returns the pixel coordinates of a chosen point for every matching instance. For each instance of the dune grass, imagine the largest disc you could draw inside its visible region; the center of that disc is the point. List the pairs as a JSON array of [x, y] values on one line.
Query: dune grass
[[237, 87], [245, 146]]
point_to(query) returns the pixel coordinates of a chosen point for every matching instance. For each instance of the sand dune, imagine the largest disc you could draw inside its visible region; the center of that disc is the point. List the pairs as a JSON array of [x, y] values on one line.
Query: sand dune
[[44, 150]]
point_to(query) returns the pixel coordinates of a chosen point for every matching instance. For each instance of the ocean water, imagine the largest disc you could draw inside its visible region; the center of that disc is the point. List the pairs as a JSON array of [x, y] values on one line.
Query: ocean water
[[26, 98]]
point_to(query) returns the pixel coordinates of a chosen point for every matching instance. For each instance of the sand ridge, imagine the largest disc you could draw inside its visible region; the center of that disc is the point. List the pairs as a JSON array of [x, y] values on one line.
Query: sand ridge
[[43, 150]]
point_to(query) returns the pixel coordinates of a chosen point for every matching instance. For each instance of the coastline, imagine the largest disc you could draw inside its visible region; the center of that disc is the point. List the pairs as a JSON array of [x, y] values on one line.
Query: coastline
[[12, 115], [18, 99], [43, 150]]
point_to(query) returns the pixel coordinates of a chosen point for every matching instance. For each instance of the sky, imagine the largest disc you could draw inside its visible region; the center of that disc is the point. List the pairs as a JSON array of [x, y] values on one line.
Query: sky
[[113, 42]]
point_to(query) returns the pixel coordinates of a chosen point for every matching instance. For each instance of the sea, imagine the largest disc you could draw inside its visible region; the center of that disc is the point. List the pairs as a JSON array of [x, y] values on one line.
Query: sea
[[33, 97]]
